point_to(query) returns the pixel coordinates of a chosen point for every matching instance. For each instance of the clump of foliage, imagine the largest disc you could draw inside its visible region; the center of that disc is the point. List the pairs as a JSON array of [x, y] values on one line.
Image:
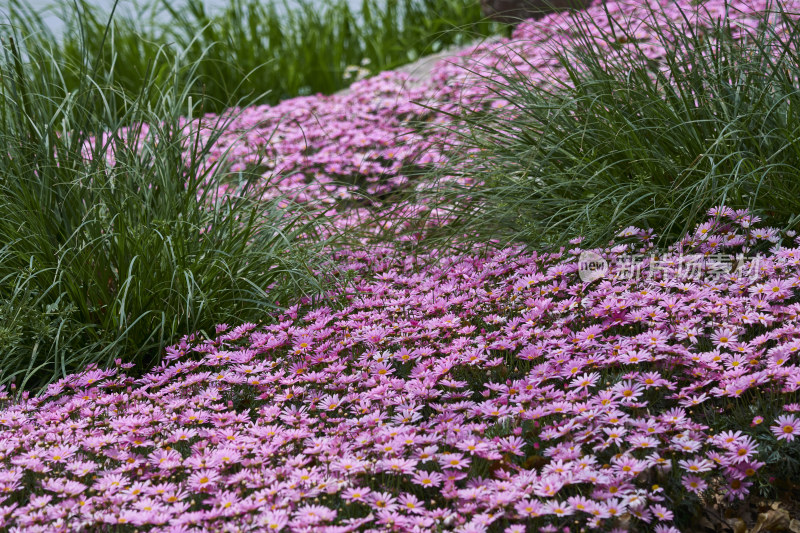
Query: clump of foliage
[[113, 245]]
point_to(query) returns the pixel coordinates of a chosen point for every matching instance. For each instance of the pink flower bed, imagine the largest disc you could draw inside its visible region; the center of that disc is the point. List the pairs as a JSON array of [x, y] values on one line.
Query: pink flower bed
[[497, 390], [494, 392]]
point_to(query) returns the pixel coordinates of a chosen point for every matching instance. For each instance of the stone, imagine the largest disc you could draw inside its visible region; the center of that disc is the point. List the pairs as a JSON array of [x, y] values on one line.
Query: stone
[[511, 11]]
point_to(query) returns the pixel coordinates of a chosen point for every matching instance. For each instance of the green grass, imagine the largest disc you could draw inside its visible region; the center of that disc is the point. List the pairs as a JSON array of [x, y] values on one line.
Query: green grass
[[253, 49], [104, 259], [625, 144]]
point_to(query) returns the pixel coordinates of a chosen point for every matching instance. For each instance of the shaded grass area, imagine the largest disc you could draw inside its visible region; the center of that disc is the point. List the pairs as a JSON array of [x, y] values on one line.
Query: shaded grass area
[[625, 139], [263, 51]]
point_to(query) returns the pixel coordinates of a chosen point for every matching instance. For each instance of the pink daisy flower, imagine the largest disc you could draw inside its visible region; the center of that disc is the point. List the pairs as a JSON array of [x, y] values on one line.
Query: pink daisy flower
[[786, 427]]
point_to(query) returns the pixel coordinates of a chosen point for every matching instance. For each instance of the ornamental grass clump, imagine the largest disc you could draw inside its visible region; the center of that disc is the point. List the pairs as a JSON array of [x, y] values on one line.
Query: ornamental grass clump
[[113, 245], [644, 115]]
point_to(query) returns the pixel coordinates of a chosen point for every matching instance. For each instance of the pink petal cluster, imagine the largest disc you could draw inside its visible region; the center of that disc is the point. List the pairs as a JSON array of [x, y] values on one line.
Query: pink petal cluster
[[484, 389]]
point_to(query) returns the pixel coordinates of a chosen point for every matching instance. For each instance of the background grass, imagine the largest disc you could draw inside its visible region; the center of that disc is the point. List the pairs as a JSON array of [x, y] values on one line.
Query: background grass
[[113, 246], [630, 141], [262, 51]]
